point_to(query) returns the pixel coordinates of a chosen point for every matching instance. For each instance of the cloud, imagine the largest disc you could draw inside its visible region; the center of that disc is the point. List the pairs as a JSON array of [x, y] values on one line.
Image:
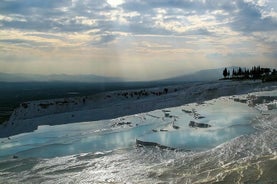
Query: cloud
[[243, 16], [157, 17], [272, 55], [31, 6], [102, 38], [48, 15], [136, 30], [57, 17], [250, 18], [44, 35], [25, 43]]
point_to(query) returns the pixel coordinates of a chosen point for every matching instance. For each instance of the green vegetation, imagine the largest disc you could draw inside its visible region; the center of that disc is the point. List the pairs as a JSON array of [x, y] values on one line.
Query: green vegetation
[[255, 73]]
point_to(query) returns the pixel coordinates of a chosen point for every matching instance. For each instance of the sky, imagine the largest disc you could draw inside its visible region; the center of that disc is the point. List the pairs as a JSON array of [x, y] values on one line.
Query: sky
[[135, 39]]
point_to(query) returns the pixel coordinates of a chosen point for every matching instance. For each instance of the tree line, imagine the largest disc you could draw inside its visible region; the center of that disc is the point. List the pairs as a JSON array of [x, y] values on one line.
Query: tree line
[[256, 72]]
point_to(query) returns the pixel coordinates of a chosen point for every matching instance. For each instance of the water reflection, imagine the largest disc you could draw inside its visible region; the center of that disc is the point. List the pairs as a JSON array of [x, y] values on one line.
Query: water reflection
[[197, 139], [228, 119]]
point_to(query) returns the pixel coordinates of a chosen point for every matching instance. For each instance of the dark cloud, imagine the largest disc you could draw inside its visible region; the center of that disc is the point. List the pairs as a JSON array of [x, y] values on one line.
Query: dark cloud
[[147, 6], [104, 39], [51, 15], [226, 5], [246, 16], [66, 16], [43, 35], [24, 42], [32, 7], [55, 16], [33, 25], [250, 19], [200, 31], [12, 41], [143, 29]]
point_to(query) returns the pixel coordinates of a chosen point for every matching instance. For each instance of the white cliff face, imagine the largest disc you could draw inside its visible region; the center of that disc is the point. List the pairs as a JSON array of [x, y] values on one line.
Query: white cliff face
[[109, 105], [272, 105], [241, 137]]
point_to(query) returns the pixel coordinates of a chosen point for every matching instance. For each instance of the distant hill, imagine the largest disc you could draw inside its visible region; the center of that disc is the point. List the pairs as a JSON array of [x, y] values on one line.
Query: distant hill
[[202, 75], [6, 77]]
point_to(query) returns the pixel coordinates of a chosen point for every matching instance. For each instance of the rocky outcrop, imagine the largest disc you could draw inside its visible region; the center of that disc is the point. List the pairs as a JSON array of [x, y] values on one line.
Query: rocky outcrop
[[152, 144], [198, 125]]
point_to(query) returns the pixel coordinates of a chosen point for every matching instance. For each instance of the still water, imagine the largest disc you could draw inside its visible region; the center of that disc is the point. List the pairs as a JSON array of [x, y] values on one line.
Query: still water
[[239, 144]]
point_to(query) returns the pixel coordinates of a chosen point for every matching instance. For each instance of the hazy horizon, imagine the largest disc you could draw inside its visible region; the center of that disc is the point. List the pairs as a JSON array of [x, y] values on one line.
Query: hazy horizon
[[135, 40]]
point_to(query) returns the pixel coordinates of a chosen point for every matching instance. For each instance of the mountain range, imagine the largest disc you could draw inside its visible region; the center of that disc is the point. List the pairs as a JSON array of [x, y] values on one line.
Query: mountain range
[[7, 77], [202, 75]]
